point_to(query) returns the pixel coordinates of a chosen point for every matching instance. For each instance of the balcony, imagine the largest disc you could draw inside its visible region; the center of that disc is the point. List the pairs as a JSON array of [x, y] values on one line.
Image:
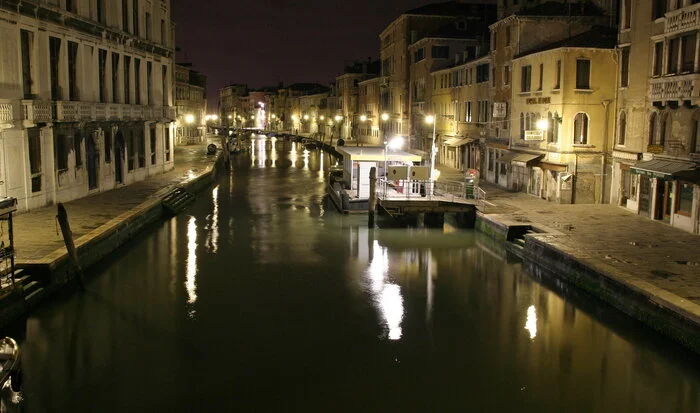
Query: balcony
[[36, 111], [681, 87], [6, 115], [683, 19]]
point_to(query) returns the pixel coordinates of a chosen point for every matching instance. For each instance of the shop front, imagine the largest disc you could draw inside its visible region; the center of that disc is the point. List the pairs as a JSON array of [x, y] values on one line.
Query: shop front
[[668, 191]]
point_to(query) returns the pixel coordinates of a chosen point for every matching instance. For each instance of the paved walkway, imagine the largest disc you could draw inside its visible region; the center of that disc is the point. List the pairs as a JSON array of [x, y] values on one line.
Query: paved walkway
[[627, 245], [37, 233]]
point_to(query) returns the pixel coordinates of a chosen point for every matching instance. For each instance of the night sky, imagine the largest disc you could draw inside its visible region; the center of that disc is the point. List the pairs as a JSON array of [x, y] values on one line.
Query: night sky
[[263, 42]]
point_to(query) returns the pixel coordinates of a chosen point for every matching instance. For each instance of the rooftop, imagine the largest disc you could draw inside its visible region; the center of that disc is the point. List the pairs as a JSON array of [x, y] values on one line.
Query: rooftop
[[599, 37], [451, 8]]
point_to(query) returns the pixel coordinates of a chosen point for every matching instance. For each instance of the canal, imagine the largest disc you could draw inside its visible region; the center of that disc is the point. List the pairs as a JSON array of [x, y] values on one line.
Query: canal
[[261, 298]]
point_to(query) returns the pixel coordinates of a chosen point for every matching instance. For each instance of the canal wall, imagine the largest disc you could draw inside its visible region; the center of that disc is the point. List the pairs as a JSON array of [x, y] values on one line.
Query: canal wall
[[54, 270], [659, 309]]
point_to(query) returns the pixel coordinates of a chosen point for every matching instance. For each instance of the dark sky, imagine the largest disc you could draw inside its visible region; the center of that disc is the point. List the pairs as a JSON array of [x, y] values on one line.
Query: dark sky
[[263, 42]]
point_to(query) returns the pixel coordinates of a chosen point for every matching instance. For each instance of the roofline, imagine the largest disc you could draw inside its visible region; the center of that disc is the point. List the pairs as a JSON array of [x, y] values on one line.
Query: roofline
[[563, 48], [371, 79], [441, 38], [471, 62]]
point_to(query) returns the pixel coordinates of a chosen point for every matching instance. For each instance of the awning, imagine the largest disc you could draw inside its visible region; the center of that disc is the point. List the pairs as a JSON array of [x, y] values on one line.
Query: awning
[[526, 159], [554, 167], [507, 157], [662, 168], [690, 175], [458, 141]]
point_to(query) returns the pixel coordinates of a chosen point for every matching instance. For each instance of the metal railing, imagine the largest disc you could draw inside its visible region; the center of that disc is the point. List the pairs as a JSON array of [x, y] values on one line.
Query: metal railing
[[450, 191]]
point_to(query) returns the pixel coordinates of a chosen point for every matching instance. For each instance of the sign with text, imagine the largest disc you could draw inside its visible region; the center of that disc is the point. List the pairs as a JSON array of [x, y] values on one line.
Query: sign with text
[[499, 109], [538, 101], [533, 135]]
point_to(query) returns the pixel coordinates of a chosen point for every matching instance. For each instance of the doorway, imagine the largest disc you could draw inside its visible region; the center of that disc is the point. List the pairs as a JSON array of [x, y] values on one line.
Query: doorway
[[119, 158], [659, 202], [92, 161], [644, 195]]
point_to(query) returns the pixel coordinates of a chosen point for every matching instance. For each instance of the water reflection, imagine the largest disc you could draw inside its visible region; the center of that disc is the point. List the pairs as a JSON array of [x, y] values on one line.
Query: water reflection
[[213, 235], [531, 323], [191, 275], [385, 295]]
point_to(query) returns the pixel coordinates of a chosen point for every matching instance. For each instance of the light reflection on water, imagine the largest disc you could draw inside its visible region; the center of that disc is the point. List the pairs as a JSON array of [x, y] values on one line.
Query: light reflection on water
[[296, 309]]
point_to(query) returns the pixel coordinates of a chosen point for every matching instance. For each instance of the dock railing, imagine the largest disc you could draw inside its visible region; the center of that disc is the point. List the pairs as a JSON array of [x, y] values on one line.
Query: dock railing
[[451, 191]]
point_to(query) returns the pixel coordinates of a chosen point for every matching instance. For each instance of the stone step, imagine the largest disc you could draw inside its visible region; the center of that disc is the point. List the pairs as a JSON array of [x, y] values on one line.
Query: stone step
[[34, 296]]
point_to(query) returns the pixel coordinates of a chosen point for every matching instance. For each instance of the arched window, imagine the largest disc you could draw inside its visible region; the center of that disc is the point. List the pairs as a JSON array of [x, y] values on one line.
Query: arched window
[[623, 129], [652, 128], [694, 141], [550, 128], [581, 129], [665, 130]]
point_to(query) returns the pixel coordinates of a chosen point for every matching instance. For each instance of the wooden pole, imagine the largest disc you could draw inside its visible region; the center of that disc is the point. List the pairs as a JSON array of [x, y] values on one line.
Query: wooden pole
[[372, 195], [70, 245]]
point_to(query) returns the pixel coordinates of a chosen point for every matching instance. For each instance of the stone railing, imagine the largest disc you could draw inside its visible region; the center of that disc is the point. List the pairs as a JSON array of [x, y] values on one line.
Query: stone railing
[[100, 111], [36, 111], [67, 111], [6, 115], [686, 18], [680, 87]]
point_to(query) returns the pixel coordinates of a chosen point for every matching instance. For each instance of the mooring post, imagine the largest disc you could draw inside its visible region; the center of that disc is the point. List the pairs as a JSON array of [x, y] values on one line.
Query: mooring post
[[372, 195], [227, 151], [70, 245]]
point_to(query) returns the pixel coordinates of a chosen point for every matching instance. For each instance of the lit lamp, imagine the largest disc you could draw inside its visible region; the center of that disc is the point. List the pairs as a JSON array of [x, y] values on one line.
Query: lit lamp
[[394, 144], [306, 117], [363, 118], [542, 124], [189, 118], [430, 119]]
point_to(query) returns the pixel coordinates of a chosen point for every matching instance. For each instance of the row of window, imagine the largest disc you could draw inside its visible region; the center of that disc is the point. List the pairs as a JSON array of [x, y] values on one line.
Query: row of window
[[436, 52], [78, 64], [463, 77], [658, 9], [583, 76], [660, 130], [671, 56], [130, 15]]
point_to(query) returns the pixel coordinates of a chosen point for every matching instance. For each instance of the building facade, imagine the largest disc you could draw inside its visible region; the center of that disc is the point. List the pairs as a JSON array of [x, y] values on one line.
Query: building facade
[[191, 105], [657, 143], [368, 109], [86, 99], [564, 102]]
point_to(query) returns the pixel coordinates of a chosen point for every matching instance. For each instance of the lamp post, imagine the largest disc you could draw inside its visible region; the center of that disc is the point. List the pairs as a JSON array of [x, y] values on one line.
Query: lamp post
[[363, 119], [431, 119], [384, 118]]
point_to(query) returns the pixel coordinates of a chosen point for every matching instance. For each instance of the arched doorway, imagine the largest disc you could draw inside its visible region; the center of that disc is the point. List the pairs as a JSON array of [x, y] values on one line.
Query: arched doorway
[[92, 161], [119, 158]]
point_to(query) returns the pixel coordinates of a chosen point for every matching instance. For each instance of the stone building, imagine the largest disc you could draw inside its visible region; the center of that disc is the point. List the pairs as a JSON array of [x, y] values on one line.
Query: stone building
[[347, 91], [521, 30], [464, 38], [395, 57], [230, 108], [564, 100], [458, 89], [657, 143], [85, 97], [369, 102], [191, 105]]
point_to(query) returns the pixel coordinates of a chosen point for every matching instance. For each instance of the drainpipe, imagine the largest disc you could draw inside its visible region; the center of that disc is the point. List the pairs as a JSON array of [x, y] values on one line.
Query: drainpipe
[[601, 194]]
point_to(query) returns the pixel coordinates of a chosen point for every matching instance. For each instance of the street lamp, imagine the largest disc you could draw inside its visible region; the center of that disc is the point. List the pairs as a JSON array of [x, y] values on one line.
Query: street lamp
[[542, 124], [384, 117], [394, 144], [189, 118], [431, 119]]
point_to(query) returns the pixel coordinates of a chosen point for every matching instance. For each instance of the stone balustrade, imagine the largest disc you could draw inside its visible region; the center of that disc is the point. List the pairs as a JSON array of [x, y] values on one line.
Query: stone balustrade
[[37, 111], [681, 87], [683, 19], [6, 113]]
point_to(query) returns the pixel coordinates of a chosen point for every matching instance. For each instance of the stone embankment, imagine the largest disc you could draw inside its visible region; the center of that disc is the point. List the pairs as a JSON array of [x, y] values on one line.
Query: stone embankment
[[100, 223]]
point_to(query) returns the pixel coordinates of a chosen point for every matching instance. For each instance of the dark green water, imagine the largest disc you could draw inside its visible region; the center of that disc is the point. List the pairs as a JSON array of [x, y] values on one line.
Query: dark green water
[[259, 298]]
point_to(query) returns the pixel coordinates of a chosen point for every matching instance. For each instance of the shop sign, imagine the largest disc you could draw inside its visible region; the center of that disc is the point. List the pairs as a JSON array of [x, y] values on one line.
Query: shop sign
[[534, 135], [499, 109], [538, 100]]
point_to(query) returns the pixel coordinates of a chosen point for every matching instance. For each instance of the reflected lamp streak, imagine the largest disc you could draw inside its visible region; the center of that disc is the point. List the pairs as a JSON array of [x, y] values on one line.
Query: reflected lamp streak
[[191, 275], [531, 323]]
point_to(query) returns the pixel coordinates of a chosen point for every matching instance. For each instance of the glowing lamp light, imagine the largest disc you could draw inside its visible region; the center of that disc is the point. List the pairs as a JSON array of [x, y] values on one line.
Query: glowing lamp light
[[306, 117], [396, 143], [230, 117], [214, 117], [338, 118], [322, 117], [543, 124], [189, 118], [363, 118], [273, 116], [429, 119], [294, 117], [252, 116]]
